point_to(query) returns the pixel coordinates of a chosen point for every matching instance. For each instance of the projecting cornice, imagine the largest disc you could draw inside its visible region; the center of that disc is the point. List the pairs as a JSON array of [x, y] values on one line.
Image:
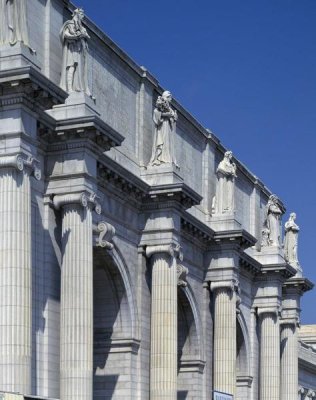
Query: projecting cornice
[[29, 86], [86, 127], [239, 237], [300, 285]]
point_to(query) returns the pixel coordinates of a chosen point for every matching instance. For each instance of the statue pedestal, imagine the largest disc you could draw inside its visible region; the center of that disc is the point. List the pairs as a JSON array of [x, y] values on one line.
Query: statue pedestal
[[17, 56], [164, 174], [77, 105], [224, 222], [270, 255]]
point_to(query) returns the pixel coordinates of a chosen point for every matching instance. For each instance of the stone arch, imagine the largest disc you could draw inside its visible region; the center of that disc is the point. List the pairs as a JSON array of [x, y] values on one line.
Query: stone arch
[[190, 346], [115, 325]]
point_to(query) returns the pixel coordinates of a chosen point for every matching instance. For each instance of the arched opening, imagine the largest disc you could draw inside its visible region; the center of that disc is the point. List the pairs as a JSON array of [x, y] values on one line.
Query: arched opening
[[190, 363], [114, 343]]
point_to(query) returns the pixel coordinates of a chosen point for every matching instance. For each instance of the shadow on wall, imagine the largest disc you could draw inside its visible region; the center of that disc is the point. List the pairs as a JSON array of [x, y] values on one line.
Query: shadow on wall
[[182, 395], [112, 324]]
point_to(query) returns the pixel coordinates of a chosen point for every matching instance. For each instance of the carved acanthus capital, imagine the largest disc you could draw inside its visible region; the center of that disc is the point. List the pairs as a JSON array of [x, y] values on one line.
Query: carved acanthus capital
[[293, 322], [20, 162], [105, 233], [311, 394], [83, 199], [302, 390], [182, 271]]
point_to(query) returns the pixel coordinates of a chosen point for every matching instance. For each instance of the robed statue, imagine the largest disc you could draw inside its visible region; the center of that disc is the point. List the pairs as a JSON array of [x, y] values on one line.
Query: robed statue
[[13, 26], [165, 118], [290, 241], [272, 223], [74, 36], [223, 202]]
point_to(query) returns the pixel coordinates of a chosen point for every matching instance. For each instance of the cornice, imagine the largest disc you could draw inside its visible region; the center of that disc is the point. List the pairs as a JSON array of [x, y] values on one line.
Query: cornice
[[285, 270], [249, 264], [300, 285], [179, 192], [196, 229], [30, 81], [239, 237]]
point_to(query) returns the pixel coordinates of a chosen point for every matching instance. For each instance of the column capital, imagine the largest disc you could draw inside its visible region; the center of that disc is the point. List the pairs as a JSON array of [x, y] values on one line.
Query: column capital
[[21, 161], [173, 250], [232, 284], [268, 310], [289, 321], [105, 233], [83, 199]]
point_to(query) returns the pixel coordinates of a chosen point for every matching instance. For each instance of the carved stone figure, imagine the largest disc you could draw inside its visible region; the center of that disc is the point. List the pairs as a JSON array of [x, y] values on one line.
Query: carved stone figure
[[13, 26], [74, 37], [290, 241], [165, 119], [272, 223], [226, 174]]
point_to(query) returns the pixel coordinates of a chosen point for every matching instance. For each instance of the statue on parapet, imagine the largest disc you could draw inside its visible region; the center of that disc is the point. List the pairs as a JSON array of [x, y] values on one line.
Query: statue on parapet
[[13, 24], [271, 233], [290, 241], [74, 37], [165, 118], [223, 202]]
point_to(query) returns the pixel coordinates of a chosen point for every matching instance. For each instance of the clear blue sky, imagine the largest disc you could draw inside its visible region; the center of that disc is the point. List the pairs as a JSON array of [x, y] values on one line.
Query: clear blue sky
[[246, 70]]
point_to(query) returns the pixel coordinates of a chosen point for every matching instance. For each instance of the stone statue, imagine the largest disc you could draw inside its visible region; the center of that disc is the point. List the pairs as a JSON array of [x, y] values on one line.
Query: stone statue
[[223, 202], [73, 35], [290, 241], [165, 126], [13, 26], [272, 222]]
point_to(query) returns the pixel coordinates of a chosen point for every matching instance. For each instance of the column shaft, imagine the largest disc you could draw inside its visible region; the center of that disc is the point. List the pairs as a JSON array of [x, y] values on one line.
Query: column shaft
[[289, 362], [270, 357], [163, 357], [225, 340], [76, 352], [15, 281]]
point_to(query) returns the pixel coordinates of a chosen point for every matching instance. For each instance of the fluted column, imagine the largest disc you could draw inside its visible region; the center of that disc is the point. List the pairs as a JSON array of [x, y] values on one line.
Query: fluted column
[[289, 360], [15, 274], [76, 330], [269, 354], [164, 335], [224, 336]]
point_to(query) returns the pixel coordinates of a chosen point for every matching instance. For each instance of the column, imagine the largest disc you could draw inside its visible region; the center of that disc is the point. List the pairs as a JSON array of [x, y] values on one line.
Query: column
[[269, 354], [224, 336], [289, 360], [15, 275], [164, 335], [76, 330]]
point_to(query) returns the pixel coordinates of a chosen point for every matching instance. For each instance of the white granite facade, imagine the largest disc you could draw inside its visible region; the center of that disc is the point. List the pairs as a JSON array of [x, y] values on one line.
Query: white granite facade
[[138, 258]]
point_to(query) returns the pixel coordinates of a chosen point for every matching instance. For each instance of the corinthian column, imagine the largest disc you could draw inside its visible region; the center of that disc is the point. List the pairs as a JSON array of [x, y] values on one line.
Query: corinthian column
[[224, 336], [289, 360], [269, 354], [15, 274], [76, 330], [164, 335]]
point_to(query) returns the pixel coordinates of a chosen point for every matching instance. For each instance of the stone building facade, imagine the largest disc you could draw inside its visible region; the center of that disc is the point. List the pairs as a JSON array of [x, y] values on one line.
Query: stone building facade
[[138, 258]]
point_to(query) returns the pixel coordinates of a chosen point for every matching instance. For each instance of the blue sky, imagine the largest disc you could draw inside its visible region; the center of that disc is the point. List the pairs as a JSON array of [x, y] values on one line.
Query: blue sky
[[246, 70]]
